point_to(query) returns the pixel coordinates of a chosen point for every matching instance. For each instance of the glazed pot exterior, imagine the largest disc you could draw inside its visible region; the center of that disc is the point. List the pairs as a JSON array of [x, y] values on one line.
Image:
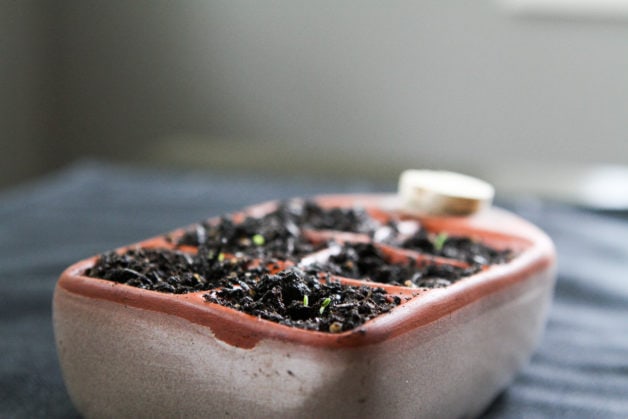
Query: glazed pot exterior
[[128, 352]]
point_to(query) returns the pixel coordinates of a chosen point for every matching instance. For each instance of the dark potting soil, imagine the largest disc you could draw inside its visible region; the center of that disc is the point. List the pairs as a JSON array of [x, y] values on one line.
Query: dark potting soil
[[280, 233], [172, 271], [239, 265], [353, 220], [297, 299], [455, 247], [366, 261], [289, 297]]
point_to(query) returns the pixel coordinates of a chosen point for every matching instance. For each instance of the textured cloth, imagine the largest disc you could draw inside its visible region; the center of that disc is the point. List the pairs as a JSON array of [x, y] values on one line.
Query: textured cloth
[[579, 371]]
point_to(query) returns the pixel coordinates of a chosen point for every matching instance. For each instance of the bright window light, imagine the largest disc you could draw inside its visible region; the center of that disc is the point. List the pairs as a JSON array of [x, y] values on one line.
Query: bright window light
[[606, 9]]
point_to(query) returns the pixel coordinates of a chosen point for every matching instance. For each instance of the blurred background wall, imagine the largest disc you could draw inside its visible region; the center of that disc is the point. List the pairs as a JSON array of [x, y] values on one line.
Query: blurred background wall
[[362, 87], [26, 110]]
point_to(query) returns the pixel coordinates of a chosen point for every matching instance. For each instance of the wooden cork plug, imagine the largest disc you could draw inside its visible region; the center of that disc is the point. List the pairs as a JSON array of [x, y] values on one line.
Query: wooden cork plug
[[443, 193]]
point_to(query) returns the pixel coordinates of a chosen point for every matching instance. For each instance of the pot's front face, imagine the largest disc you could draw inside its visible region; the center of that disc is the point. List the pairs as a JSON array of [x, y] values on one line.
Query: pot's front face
[[441, 351]]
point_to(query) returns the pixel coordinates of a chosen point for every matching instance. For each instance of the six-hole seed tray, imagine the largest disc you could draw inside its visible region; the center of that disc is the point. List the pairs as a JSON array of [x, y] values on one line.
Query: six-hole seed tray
[[275, 312]]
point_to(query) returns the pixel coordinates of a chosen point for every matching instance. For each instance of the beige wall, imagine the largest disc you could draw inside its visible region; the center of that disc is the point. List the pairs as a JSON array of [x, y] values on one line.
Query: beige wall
[[25, 99], [372, 85]]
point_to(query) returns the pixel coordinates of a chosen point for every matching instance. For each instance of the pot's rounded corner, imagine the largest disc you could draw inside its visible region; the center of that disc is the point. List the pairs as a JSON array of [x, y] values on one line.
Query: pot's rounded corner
[[111, 336]]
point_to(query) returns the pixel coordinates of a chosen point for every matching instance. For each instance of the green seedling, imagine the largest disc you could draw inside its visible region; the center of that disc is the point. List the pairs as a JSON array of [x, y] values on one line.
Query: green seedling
[[306, 301], [439, 241], [324, 304], [258, 240]]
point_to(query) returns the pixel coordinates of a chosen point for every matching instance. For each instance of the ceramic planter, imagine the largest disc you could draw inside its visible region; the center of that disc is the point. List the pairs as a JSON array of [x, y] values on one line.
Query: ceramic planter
[[446, 352]]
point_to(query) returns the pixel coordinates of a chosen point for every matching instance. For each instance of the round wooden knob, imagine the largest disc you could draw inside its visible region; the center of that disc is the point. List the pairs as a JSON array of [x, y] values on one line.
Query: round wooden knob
[[443, 193]]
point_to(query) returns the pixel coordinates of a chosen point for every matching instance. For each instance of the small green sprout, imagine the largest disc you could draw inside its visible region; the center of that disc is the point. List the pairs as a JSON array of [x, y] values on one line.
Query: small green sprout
[[306, 301], [439, 241], [324, 304], [221, 257], [258, 240]]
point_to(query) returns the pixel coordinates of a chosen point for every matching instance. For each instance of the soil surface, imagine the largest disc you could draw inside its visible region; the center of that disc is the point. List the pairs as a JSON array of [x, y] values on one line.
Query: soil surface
[[290, 297], [454, 247], [173, 271], [280, 233], [369, 262], [250, 265], [298, 299]]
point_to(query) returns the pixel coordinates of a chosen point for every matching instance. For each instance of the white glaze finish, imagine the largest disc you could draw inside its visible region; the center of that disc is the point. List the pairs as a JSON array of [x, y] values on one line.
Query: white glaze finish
[[121, 361], [455, 350]]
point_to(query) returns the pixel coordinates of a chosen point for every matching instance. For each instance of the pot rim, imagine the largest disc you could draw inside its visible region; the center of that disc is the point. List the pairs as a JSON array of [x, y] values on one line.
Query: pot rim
[[536, 254]]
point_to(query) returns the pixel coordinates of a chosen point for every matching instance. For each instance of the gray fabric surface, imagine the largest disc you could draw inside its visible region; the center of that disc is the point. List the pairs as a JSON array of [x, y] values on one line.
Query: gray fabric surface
[[579, 371]]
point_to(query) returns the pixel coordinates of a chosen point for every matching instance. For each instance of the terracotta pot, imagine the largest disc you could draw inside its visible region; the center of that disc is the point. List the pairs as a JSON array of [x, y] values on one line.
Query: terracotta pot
[[447, 352]]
